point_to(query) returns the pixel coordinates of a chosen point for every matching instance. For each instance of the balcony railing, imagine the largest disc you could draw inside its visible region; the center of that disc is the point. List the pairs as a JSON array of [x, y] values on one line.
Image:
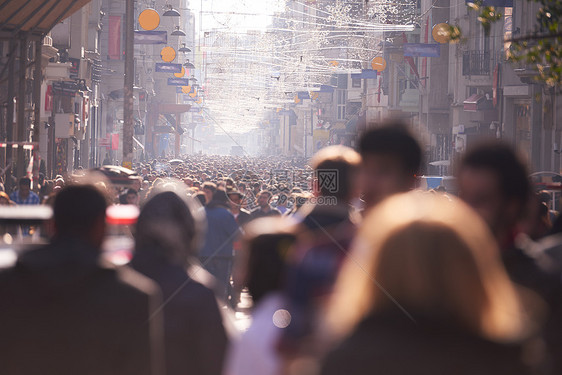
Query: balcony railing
[[476, 63]]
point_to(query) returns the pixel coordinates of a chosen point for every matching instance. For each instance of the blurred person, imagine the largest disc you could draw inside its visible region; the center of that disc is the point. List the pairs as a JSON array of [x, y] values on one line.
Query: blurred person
[[264, 209], [200, 196], [217, 254], [209, 188], [536, 224], [132, 196], [493, 181], [65, 311], [334, 187], [5, 199], [266, 245], [24, 195], [241, 215], [281, 203], [59, 181], [169, 232], [390, 160], [425, 293], [328, 231]]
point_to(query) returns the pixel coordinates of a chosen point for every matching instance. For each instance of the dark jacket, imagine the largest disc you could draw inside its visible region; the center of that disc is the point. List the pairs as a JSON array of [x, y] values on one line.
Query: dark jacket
[[222, 230], [258, 213], [394, 345], [195, 339], [64, 312], [243, 217]]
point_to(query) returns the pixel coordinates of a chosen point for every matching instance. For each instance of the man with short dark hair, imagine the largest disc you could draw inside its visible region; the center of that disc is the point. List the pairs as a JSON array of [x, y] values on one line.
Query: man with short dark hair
[[264, 209], [209, 188], [241, 215], [24, 195], [65, 312], [391, 159], [132, 197], [493, 181]]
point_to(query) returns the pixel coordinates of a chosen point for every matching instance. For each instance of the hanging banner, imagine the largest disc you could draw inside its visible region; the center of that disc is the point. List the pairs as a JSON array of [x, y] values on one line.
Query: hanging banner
[[114, 40], [178, 82], [422, 50], [65, 88], [365, 74], [75, 68], [167, 68], [151, 37], [115, 141]]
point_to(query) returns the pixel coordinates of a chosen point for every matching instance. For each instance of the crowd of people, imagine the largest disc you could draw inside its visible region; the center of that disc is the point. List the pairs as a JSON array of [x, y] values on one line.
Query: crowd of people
[[349, 267]]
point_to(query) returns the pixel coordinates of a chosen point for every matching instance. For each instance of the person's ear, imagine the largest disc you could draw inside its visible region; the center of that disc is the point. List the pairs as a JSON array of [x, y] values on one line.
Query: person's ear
[[97, 232]]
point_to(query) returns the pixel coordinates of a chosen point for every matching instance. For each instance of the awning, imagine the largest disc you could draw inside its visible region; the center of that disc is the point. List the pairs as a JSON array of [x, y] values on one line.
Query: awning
[[36, 16], [477, 102]]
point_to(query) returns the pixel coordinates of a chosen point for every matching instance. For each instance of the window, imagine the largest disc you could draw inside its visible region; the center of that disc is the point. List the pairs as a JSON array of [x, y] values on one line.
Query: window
[[342, 81], [341, 101], [356, 82]]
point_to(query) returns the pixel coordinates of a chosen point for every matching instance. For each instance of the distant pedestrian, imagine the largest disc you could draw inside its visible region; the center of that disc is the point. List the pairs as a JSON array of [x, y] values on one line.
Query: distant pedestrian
[[24, 195], [169, 233], [264, 209], [217, 255]]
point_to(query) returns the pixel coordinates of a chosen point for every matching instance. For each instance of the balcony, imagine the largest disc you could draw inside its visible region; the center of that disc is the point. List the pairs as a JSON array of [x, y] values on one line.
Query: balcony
[[476, 63]]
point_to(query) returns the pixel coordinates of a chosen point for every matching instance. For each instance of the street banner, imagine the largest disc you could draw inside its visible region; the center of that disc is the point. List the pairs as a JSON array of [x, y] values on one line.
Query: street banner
[[178, 81], [326, 88], [151, 37], [365, 74], [65, 88], [114, 38], [422, 50], [167, 68]]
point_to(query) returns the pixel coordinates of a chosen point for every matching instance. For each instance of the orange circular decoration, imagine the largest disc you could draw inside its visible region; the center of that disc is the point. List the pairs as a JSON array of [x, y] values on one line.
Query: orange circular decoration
[[441, 33], [180, 74], [149, 19], [378, 64], [168, 54], [185, 89]]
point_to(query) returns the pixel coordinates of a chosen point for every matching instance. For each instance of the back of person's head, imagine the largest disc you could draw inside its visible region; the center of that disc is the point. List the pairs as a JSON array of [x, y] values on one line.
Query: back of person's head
[[433, 258], [220, 199], [24, 181], [266, 246], [392, 139], [335, 172], [209, 185], [170, 227], [501, 160], [79, 210]]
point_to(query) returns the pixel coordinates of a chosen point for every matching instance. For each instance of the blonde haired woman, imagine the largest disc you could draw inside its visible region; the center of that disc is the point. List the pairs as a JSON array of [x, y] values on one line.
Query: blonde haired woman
[[423, 291]]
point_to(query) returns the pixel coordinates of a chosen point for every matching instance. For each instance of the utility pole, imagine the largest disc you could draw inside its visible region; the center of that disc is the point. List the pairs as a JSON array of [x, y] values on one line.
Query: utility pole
[[128, 87], [37, 78], [21, 118]]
